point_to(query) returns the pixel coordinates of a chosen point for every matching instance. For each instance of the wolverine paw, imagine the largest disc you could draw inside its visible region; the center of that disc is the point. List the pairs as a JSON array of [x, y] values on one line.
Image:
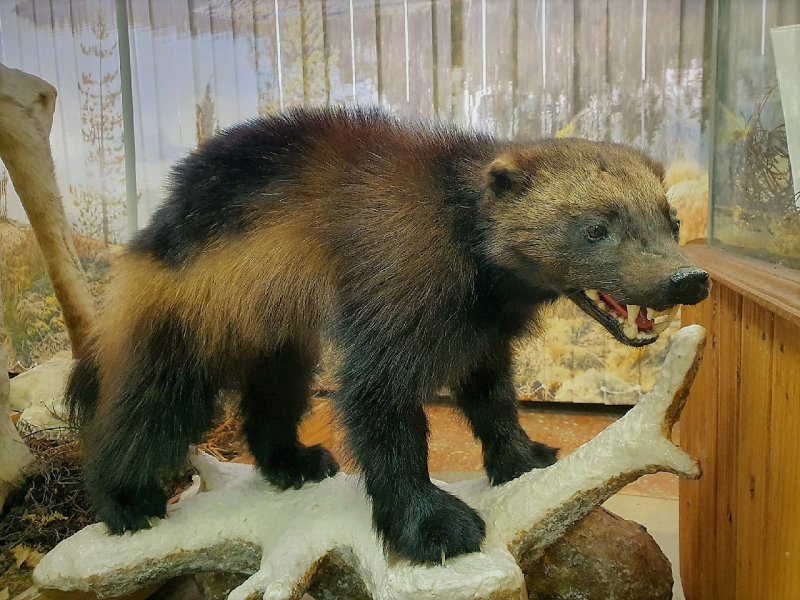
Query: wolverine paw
[[432, 528], [128, 510], [292, 468], [509, 462]]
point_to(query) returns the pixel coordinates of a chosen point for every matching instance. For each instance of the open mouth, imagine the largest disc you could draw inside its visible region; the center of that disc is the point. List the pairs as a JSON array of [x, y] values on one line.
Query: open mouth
[[630, 324]]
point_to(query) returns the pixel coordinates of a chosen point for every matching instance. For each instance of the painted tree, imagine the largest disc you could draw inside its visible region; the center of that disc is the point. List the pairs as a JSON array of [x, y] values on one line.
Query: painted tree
[[101, 203]]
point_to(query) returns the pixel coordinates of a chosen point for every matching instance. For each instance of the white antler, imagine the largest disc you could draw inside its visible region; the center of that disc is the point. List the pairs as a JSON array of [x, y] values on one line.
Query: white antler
[[286, 539]]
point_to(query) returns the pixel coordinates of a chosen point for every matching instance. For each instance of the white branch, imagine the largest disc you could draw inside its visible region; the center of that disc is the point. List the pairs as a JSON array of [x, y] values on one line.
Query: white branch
[[242, 524]]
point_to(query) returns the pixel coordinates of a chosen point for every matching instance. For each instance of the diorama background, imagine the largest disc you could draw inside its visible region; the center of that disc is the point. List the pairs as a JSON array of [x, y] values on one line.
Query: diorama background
[[620, 70]]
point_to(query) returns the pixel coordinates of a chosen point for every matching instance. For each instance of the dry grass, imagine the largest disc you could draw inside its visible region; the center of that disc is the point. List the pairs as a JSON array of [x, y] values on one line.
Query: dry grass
[[48, 506], [225, 441]]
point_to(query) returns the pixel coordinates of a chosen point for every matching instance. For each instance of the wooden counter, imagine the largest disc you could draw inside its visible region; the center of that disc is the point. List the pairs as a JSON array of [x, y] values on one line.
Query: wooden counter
[[740, 523]]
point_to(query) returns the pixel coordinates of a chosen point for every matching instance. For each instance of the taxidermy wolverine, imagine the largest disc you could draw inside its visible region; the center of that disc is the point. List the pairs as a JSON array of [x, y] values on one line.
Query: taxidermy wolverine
[[423, 252]]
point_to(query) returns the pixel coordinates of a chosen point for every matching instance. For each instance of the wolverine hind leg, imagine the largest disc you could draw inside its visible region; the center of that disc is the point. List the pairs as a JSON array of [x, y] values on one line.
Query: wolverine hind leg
[[275, 391], [488, 399], [142, 432]]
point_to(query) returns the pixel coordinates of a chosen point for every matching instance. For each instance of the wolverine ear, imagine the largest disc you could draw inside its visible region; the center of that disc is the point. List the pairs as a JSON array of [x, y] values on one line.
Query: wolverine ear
[[657, 168], [505, 177]]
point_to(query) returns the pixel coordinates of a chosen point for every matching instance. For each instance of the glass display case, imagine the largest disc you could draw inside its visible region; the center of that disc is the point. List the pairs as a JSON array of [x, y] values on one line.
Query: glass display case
[[755, 203]]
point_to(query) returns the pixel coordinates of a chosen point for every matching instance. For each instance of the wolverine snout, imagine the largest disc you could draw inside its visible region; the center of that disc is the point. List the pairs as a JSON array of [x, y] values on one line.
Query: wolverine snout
[[688, 285]]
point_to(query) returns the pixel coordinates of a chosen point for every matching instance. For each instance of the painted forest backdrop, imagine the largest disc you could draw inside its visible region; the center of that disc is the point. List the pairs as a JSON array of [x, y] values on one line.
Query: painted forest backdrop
[[621, 70]]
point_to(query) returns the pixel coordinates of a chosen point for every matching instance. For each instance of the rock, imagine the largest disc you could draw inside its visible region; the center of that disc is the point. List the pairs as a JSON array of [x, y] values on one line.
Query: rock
[[219, 585], [602, 557], [14, 454], [47, 418], [40, 384]]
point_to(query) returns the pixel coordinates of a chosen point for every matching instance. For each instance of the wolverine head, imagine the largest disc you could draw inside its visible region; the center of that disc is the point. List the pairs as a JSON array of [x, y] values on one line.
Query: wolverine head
[[590, 221]]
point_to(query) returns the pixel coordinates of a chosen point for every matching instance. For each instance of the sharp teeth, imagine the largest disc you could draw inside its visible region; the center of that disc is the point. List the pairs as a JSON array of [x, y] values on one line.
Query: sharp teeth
[[673, 311], [658, 329], [633, 312], [661, 319], [651, 314], [593, 294], [630, 330]]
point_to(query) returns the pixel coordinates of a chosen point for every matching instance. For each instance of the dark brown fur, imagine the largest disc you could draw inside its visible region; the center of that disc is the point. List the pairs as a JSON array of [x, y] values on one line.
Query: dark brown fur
[[422, 251]]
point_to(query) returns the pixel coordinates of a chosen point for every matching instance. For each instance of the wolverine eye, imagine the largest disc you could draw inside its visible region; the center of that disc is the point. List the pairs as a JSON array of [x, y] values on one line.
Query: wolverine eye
[[676, 227], [596, 232]]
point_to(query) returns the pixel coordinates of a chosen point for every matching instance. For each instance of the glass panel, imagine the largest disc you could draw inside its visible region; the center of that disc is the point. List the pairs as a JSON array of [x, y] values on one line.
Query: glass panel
[[755, 205]]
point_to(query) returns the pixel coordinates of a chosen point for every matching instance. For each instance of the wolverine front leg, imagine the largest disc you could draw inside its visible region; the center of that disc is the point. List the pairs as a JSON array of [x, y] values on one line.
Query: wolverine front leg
[[488, 399], [381, 407]]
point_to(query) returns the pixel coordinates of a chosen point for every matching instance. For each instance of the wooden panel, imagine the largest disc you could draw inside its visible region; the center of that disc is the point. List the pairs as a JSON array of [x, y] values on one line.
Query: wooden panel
[[782, 552], [740, 522], [559, 65], [754, 454], [498, 107], [420, 57], [692, 29], [662, 51], [625, 33], [728, 347], [366, 50], [530, 69], [392, 54], [591, 83], [699, 438], [440, 30]]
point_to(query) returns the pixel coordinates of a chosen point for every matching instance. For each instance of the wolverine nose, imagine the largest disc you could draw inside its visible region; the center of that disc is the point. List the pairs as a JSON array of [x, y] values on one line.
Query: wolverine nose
[[688, 285]]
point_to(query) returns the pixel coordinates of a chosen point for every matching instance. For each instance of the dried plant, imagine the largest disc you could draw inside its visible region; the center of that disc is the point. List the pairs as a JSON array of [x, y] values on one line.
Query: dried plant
[[760, 171]]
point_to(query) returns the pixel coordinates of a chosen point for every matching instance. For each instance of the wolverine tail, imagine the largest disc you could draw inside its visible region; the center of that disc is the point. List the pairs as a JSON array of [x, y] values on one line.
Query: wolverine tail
[[83, 389]]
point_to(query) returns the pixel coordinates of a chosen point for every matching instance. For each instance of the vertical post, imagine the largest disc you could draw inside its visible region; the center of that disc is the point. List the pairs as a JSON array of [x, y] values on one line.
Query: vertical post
[[128, 139], [457, 61], [278, 46], [435, 53], [378, 49], [408, 55], [514, 67], [710, 86], [326, 51], [304, 53], [353, 50]]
